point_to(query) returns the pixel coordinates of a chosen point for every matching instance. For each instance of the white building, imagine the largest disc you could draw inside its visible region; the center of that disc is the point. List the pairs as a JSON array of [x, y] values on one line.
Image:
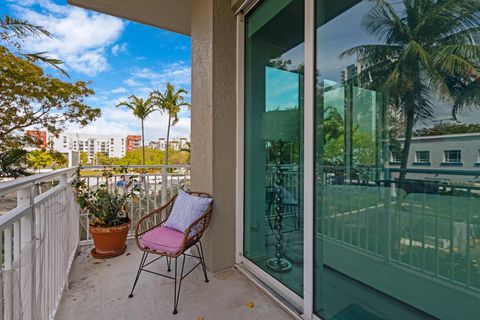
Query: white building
[[113, 146], [442, 152], [175, 143]]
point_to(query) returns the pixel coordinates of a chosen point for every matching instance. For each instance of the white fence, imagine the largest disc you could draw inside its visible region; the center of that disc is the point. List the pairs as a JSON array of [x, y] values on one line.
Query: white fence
[[39, 237], [157, 184], [38, 240]]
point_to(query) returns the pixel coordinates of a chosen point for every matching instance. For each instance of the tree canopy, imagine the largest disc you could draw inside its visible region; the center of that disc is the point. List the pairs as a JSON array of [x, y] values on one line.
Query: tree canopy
[[426, 49], [448, 129], [152, 157], [39, 159], [170, 101], [30, 98]]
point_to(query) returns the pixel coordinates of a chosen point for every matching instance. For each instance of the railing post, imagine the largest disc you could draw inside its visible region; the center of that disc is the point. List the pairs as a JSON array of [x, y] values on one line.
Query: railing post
[[164, 184], [27, 265]]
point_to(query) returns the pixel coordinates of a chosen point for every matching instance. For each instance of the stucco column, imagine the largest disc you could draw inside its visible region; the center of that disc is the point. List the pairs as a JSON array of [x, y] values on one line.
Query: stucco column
[[214, 123]]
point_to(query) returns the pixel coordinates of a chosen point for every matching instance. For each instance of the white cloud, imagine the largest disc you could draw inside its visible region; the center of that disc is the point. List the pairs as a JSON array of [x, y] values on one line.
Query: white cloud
[[178, 73], [131, 82], [80, 37], [120, 121], [119, 90], [119, 48]]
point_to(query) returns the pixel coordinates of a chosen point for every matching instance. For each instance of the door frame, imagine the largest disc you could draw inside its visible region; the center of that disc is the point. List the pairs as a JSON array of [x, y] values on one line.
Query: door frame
[[302, 307]]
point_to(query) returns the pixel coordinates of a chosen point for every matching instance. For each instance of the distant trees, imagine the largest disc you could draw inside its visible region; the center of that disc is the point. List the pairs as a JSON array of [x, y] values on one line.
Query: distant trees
[[141, 109], [170, 101], [40, 159], [152, 157], [447, 129]]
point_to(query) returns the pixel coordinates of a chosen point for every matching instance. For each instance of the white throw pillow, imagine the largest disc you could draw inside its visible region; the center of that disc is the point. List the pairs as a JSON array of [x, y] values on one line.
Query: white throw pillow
[[186, 210]]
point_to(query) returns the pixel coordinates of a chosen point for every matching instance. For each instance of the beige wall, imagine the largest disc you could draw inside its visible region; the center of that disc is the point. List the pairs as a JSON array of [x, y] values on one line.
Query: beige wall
[[214, 122]]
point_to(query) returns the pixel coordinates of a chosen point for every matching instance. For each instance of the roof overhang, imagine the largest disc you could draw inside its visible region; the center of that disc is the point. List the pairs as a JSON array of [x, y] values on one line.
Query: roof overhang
[[172, 15]]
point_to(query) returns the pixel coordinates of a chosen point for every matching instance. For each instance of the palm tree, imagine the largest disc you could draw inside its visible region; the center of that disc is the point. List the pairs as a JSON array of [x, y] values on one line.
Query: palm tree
[[429, 48], [170, 102], [14, 31], [141, 109]]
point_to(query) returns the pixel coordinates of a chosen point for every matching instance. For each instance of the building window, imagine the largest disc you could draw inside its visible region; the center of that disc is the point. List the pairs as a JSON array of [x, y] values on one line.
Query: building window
[[395, 157], [452, 156], [422, 156]]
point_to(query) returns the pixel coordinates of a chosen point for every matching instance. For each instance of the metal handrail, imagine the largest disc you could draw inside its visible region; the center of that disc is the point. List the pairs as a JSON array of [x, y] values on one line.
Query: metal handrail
[[24, 182]]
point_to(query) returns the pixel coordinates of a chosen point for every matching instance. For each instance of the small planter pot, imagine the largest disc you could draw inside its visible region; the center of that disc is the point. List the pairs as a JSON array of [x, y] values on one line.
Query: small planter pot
[[109, 241]]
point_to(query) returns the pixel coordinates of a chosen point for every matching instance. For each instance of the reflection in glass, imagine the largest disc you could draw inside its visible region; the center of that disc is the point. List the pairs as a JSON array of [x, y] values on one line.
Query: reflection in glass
[[397, 187], [273, 225]]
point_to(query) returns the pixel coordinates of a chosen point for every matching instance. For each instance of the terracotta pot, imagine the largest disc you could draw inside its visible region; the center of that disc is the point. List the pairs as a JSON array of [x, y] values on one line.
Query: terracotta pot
[[109, 241]]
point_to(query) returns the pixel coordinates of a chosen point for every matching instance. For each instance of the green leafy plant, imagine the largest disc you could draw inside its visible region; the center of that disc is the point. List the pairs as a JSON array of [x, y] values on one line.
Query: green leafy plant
[[106, 205], [12, 164]]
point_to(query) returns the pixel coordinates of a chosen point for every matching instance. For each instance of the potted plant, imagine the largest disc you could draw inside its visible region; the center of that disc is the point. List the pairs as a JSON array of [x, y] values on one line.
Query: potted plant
[[107, 207]]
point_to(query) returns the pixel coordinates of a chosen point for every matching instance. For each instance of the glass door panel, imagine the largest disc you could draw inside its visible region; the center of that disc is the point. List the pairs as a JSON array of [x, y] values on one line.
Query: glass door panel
[[273, 217], [396, 222]]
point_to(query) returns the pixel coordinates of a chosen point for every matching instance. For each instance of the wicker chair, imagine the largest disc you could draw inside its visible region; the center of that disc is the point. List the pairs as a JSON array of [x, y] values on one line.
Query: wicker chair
[[191, 237]]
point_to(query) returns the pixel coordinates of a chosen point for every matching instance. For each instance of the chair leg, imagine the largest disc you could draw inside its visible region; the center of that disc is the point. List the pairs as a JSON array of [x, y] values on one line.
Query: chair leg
[[169, 262], [202, 260], [142, 262], [176, 292]]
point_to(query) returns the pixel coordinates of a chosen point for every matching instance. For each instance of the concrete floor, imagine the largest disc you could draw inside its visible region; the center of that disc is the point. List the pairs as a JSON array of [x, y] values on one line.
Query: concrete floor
[[99, 289]]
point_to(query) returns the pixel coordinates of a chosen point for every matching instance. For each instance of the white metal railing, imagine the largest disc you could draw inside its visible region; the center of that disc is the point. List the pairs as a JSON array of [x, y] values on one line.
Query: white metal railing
[[39, 237], [38, 240], [157, 184]]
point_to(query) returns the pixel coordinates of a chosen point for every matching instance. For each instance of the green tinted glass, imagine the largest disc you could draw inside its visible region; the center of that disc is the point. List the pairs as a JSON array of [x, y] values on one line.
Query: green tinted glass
[[397, 206], [273, 225]]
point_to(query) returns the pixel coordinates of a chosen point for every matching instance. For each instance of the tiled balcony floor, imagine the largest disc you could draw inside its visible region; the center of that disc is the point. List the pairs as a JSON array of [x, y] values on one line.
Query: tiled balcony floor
[[99, 289]]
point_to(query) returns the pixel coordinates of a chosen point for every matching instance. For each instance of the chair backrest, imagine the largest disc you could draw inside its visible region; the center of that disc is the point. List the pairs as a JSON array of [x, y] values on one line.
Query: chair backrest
[[205, 218]]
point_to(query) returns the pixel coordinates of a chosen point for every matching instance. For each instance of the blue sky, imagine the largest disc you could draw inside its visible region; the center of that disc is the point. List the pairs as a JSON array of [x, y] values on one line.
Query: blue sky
[[119, 57]]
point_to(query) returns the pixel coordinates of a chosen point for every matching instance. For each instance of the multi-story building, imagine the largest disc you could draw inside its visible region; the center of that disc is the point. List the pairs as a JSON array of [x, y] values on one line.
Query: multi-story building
[[39, 136], [134, 142], [110, 145], [154, 145], [450, 151], [174, 144]]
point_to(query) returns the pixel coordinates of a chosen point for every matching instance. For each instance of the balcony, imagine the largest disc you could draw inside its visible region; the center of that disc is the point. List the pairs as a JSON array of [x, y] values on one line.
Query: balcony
[[47, 271], [424, 235]]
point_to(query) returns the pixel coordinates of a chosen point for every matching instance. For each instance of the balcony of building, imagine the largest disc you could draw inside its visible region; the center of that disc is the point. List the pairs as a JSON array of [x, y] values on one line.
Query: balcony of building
[[47, 270]]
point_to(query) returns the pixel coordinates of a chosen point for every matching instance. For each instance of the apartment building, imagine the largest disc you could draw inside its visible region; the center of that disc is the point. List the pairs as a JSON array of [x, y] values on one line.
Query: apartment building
[[452, 151], [175, 144], [134, 142], [111, 145]]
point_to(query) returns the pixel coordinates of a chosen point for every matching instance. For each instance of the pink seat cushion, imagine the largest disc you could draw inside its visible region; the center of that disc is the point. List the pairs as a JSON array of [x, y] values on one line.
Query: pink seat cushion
[[163, 239]]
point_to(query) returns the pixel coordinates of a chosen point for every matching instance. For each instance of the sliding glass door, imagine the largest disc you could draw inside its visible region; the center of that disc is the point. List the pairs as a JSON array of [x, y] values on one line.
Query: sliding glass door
[[395, 152], [273, 220]]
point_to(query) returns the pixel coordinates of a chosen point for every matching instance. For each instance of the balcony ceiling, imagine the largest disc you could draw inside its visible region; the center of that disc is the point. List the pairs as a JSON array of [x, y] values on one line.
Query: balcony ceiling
[[172, 15]]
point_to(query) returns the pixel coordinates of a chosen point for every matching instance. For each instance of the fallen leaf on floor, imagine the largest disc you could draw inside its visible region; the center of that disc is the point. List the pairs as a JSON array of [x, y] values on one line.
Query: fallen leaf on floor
[[200, 318], [128, 253], [250, 305]]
